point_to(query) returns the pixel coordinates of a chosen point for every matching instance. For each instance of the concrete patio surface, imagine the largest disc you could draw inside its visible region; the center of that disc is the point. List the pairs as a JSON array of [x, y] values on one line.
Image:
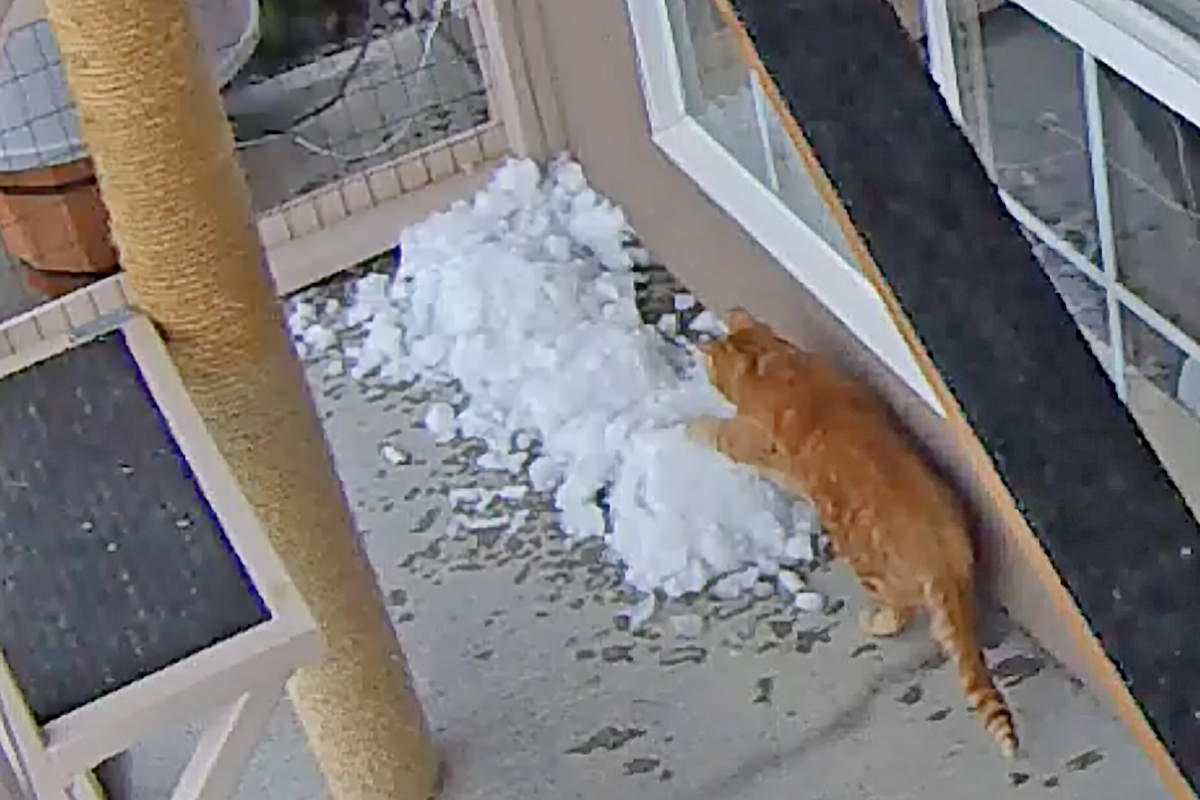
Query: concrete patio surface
[[536, 688]]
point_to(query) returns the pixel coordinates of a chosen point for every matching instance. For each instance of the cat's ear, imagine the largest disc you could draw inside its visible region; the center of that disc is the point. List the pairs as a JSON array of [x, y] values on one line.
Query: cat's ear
[[739, 319]]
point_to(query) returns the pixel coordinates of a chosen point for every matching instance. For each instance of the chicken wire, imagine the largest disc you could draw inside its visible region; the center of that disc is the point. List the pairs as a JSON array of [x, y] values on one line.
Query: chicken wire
[[398, 81], [320, 94]]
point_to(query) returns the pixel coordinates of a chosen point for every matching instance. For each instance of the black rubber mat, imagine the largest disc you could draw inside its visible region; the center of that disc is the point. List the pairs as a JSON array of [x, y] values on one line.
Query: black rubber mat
[[112, 564], [1103, 507]]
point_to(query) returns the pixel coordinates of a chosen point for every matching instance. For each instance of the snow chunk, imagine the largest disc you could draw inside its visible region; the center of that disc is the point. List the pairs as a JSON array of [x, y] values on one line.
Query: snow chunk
[[707, 322], [512, 493], [394, 455], [790, 582], [318, 338], [810, 602], [439, 419], [641, 612], [684, 301], [523, 298]]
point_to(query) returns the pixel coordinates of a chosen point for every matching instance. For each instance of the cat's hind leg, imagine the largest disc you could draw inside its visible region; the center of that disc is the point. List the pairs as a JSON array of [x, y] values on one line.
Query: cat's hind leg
[[883, 621], [884, 618]]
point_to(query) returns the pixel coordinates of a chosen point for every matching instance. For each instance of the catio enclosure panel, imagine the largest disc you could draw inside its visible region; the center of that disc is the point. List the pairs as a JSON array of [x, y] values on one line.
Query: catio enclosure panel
[[112, 563], [1087, 482]]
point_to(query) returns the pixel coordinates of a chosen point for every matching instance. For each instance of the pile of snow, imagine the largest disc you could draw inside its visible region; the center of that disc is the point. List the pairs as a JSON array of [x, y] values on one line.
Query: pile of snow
[[524, 298]]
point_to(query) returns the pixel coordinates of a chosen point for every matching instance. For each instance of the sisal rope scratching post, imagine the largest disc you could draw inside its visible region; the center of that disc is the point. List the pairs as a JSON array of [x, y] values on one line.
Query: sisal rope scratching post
[[181, 219]]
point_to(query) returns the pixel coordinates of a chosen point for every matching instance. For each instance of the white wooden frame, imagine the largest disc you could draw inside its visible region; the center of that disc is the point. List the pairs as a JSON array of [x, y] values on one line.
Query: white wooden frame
[[1151, 53], [241, 677], [799, 249]]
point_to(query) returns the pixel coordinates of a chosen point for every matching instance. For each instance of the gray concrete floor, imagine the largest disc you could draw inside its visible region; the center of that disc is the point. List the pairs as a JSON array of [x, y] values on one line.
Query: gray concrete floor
[[536, 689]]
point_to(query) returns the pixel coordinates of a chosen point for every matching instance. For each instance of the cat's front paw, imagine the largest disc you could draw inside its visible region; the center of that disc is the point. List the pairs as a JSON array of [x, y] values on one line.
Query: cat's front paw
[[703, 430]]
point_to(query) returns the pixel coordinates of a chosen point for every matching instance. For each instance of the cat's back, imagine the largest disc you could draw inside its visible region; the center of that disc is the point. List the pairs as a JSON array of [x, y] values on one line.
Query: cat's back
[[851, 454]]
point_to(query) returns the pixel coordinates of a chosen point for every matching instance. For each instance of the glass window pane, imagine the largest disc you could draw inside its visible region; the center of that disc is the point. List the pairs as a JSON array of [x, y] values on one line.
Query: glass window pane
[[1152, 355], [1022, 91], [716, 81], [1083, 298], [722, 95], [798, 190], [1154, 181]]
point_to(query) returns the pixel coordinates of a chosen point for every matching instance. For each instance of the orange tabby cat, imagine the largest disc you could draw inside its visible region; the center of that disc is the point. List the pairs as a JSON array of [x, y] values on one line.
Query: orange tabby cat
[[901, 528]]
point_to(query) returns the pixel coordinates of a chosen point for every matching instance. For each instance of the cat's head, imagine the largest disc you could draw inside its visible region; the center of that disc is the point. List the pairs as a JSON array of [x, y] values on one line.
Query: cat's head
[[728, 357]]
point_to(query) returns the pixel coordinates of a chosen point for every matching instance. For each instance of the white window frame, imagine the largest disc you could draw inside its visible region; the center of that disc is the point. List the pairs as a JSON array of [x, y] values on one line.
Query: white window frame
[[1157, 57], [837, 284]]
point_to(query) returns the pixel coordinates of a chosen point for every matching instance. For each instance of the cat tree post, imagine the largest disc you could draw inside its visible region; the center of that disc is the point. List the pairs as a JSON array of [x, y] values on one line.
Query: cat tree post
[[181, 218]]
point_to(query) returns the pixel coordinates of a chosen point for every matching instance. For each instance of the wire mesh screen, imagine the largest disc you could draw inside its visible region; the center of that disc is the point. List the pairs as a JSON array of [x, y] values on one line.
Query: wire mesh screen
[[352, 87], [335, 106]]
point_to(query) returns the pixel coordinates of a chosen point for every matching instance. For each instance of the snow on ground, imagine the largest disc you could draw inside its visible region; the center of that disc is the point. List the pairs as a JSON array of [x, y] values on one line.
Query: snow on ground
[[523, 300]]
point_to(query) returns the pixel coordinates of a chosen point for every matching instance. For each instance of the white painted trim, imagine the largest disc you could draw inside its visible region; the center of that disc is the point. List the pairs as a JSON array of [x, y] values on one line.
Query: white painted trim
[[1170, 73], [799, 249], [262, 656], [226, 746], [1023, 215], [764, 135], [301, 262], [1153, 31], [662, 84], [1094, 119], [217, 481], [939, 43], [1163, 326], [519, 139], [214, 677]]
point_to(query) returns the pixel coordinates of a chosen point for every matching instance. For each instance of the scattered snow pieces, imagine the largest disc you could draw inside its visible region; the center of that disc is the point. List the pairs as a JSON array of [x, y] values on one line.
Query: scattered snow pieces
[[319, 338], [335, 368], [395, 456], [640, 613], [790, 582], [810, 602], [471, 495], [734, 584], [799, 548], [668, 324], [687, 626], [484, 523], [512, 493], [300, 318], [707, 322], [440, 421], [544, 473], [524, 298]]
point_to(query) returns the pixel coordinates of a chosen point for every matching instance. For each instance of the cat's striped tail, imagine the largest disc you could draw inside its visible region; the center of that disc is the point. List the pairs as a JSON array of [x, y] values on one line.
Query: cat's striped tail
[[952, 623]]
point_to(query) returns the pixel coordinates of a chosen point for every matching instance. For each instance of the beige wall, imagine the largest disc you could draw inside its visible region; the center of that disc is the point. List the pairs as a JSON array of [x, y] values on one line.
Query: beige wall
[[588, 78]]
